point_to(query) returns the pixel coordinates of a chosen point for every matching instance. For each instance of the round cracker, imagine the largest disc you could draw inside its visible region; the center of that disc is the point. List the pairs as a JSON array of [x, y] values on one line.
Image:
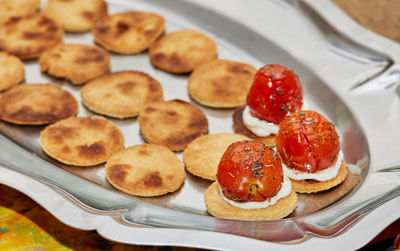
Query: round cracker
[[81, 141], [121, 94], [173, 123], [12, 71], [221, 83], [181, 51], [201, 157], [240, 127], [313, 186], [145, 170], [129, 32], [28, 36], [36, 104], [76, 15], [12, 8], [78, 63], [218, 207]]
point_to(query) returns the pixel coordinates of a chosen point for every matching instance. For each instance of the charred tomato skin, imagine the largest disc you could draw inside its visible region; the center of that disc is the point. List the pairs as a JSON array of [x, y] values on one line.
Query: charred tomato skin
[[307, 142], [249, 171], [276, 93]]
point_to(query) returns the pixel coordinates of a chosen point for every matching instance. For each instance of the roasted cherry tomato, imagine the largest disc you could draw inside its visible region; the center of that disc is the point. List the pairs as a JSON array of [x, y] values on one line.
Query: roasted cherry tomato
[[276, 93], [249, 171], [308, 142]]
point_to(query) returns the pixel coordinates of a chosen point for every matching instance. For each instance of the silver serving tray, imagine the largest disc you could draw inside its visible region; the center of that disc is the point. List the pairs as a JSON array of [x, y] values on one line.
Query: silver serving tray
[[330, 61]]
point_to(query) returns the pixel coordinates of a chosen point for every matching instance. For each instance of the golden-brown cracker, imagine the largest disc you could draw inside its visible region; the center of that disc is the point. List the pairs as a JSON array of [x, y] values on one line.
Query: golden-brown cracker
[[78, 63], [121, 94], [129, 32], [221, 83], [145, 170], [81, 141], [12, 8], [173, 123], [201, 157], [36, 104], [76, 15], [313, 186], [181, 51], [240, 127], [28, 36], [218, 207], [12, 71]]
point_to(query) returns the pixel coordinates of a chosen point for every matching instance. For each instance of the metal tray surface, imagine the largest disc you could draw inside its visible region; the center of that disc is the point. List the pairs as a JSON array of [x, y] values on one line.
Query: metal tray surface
[[323, 214]]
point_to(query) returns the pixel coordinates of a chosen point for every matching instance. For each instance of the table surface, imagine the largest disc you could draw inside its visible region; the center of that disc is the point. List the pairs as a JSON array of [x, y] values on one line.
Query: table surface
[[25, 225]]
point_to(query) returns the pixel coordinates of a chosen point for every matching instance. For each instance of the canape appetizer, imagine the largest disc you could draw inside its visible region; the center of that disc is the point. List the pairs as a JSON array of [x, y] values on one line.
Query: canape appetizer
[[250, 185], [276, 92], [310, 150]]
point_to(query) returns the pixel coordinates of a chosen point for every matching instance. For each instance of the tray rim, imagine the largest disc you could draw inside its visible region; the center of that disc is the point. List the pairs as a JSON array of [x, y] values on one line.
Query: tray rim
[[109, 228]]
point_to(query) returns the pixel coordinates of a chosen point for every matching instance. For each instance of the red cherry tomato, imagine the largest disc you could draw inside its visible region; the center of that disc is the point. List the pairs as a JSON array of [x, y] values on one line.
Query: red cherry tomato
[[308, 142], [276, 93], [249, 171]]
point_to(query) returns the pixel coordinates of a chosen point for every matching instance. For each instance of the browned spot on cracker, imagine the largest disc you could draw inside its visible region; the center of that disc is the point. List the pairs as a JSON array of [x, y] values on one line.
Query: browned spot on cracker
[[47, 36], [88, 14], [122, 27], [66, 149], [56, 55], [12, 20], [175, 60], [115, 134], [32, 34], [150, 32], [21, 52], [26, 113], [117, 173], [153, 179], [150, 109], [198, 123], [93, 150], [44, 21], [159, 57], [153, 87], [58, 134], [52, 28], [103, 29], [171, 113], [92, 122], [171, 117], [238, 68], [104, 8], [126, 87], [144, 120], [222, 89], [90, 55], [144, 152], [181, 138], [170, 177]]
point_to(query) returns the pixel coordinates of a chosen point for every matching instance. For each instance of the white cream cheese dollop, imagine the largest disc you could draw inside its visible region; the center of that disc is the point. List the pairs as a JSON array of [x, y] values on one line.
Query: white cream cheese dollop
[[324, 175], [262, 128], [284, 191], [259, 127]]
